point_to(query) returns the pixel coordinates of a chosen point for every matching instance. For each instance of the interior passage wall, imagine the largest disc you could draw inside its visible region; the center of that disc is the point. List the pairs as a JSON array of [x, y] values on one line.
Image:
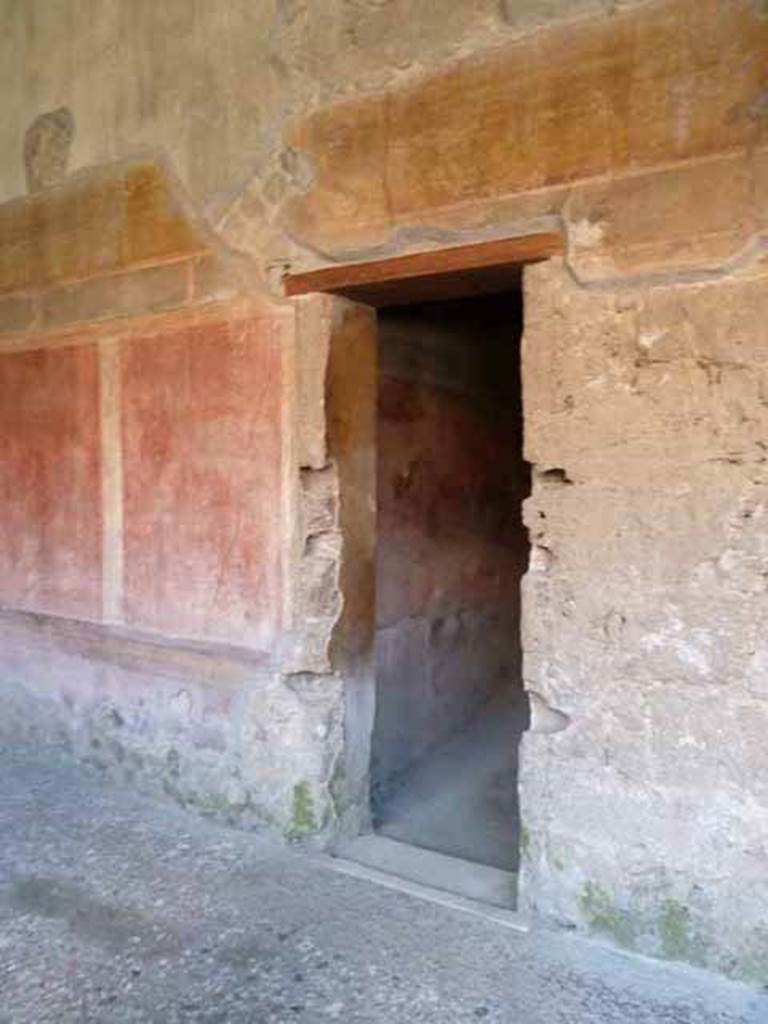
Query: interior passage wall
[[451, 546]]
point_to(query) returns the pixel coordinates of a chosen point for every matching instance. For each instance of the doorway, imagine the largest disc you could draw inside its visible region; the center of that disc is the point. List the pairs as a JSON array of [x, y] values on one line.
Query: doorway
[[445, 670], [451, 552]]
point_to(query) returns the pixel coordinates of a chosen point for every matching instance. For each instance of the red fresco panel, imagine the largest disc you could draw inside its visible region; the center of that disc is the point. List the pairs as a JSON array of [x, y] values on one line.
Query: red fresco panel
[[50, 491], [202, 456]]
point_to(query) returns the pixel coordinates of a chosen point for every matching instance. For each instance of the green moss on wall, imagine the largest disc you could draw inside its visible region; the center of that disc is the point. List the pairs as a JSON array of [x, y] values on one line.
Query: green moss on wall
[[753, 970], [604, 917], [676, 933], [525, 841], [303, 820]]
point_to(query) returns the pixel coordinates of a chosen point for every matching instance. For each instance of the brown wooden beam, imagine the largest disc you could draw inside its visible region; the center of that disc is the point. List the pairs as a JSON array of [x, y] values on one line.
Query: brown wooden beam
[[364, 280]]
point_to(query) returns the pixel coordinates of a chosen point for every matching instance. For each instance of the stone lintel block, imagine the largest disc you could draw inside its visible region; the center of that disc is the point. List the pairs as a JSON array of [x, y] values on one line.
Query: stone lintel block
[[152, 290], [104, 219], [306, 649]]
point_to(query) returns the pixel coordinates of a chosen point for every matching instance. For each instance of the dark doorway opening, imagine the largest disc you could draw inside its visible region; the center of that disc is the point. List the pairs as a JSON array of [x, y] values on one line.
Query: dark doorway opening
[[450, 706]]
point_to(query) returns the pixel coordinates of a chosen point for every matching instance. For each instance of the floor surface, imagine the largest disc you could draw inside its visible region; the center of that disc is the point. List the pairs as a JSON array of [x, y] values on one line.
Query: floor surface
[[461, 799], [114, 908]]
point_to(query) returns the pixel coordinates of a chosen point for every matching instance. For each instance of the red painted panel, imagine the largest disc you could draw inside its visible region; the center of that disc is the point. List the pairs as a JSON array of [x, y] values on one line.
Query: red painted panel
[[50, 497], [202, 443]]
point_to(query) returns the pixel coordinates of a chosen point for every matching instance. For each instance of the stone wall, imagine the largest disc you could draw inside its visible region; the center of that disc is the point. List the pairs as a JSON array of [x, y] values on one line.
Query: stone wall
[[144, 486], [307, 133], [643, 138], [646, 605]]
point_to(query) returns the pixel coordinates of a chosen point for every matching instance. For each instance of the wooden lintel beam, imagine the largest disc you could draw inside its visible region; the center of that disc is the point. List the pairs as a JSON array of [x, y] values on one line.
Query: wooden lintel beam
[[497, 253]]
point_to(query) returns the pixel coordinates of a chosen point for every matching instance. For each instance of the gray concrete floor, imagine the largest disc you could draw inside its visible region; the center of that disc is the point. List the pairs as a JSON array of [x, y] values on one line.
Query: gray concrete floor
[[461, 799], [116, 909]]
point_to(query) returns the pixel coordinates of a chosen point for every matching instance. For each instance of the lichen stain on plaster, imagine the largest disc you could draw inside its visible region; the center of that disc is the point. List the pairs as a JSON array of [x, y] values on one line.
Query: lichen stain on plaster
[[605, 917], [303, 821], [679, 940], [525, 841], [676, 935]]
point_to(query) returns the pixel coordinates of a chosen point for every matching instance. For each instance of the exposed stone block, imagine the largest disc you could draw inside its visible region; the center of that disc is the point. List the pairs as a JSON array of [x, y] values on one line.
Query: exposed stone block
[[317, 594], [319, 501], [313, 332], [305, 648]]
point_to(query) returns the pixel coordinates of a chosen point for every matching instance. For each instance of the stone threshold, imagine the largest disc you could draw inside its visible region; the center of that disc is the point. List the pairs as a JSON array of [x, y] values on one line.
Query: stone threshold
[[476, 889]]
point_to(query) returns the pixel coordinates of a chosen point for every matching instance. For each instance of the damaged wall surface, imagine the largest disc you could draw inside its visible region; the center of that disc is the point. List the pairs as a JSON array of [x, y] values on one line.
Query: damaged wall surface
[[645, 611], [146, 486], [187, 467]]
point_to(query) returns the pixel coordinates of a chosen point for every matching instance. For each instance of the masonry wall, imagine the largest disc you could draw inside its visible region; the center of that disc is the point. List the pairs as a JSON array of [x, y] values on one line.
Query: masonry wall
[[145, 478], [646, 611], [451, 548], [306, 134], [642, 138], [139, 470]]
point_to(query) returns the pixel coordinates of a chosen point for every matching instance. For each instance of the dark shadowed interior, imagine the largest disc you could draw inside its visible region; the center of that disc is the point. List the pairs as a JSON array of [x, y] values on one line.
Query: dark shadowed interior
[[451, 553]]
